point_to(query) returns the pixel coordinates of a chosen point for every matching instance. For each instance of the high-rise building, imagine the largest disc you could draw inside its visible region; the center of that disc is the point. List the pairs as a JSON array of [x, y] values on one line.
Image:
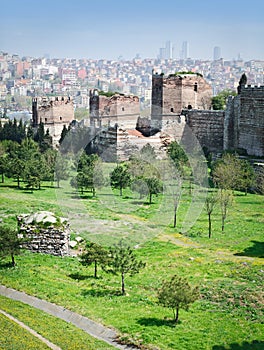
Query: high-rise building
[[184, 54], [217, 53], [166, 52]]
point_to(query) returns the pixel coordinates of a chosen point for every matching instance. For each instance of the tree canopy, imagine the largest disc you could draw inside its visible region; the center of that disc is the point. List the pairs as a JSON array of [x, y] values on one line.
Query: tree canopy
[[177, 293]]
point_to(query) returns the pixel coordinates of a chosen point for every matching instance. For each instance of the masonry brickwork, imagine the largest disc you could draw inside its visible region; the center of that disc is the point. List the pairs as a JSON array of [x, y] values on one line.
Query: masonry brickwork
[[207, 126], [244, 121], [45, 238], [179, 101], [118, 109], [54, 113], [172, 94]]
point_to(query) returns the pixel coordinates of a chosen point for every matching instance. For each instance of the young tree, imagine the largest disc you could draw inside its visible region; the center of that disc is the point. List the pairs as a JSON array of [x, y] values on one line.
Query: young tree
[[226, 172], [225, 199], [147, 153], [139, 185], [176, 195], [154, 187], [177, 293], [260, 180], [120, 177], [210, 203], [122, 260], [177, 154], [247, 176], [60, 169], [94, 254], [3, 161], [10, 243]]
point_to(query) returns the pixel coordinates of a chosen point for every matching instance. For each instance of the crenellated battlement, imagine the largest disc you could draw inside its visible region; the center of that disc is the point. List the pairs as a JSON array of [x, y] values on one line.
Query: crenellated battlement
[[111, 110], [54, 112], [252, 91]]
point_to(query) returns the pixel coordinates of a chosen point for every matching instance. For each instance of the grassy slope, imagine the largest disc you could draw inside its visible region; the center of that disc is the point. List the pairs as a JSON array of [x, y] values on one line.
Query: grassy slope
[[14, 337], [231, 308], [57, 331]]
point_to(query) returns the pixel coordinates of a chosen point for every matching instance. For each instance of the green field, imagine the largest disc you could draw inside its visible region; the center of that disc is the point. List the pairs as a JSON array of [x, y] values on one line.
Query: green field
[[228, 268]]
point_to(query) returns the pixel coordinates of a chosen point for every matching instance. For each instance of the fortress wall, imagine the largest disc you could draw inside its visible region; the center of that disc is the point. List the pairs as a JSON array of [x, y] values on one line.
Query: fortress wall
[[251, 120], [54, 113], [55, 110], [117, 109], [208, 127], [244, 121]]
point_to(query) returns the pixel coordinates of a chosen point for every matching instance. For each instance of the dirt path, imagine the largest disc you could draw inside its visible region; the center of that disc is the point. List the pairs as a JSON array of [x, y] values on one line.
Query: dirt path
[[94, 329], [21, 324]]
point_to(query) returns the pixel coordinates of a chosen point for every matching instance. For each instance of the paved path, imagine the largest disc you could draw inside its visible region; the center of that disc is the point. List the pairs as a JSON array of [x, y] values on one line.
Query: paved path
[[94, 329], [44, 340]]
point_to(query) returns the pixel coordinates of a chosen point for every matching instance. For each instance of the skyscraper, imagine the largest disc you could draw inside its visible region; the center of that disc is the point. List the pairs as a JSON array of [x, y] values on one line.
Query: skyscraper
[[217, 53], [184, 54], [168, 50]]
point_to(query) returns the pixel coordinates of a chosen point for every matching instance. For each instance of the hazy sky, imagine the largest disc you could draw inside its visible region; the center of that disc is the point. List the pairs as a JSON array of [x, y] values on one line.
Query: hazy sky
[[110, 28]]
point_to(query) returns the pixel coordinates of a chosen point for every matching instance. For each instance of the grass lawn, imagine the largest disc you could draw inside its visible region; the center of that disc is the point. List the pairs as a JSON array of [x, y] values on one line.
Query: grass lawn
[[55, 330], [229, 268]]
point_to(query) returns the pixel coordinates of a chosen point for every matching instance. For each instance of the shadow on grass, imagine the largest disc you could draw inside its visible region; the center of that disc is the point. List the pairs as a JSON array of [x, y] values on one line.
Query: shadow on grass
[[100, 293], [254, 345], [256, 250], [5, 265], [138, 202], [79, 277], [153, 321]]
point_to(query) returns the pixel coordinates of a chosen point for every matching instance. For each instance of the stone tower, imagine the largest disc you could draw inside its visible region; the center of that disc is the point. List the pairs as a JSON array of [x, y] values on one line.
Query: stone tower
[[118, 109], [172, 94], [244, 120], [54, 113]]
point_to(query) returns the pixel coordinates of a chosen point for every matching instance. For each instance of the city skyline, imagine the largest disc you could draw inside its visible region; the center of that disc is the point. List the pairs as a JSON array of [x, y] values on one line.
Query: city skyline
[[109, 30]]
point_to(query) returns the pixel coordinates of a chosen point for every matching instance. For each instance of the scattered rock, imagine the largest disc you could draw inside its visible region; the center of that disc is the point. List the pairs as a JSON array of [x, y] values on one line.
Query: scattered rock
[[218, 261], [73, 244], [46, 233]]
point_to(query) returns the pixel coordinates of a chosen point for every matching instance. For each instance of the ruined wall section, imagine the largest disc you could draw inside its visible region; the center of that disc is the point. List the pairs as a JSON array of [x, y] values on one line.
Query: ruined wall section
[[208, 127], [251, 121], [54, 113], [43, 236], [175, 92], [157, 101], [118, 110], [244, 121]]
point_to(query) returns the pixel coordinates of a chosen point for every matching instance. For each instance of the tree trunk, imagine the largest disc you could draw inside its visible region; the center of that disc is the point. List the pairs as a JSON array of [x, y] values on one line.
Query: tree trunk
[[176, 315], [209, 225], [3, 178], [13, 260], [150, 198], [95, 269], [58, 183], [18, 182], [223, 224], [121, 192], [93, 192], [123, 283], [175, 217]]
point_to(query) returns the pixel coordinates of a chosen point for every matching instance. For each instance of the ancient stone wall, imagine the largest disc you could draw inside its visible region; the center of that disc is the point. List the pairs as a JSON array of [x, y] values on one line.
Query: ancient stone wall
[[176, 92], [244, 121], [44, 236], [54, 113], [207, 126], [118, 109]]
